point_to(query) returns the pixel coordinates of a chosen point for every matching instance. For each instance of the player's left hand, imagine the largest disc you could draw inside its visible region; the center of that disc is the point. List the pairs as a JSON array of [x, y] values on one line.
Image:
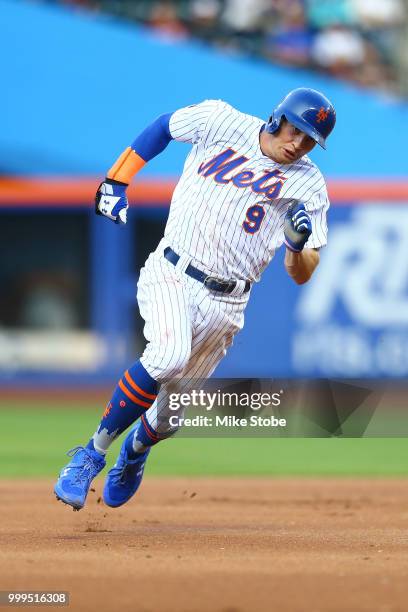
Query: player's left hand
[[297, 227], [111, 201]]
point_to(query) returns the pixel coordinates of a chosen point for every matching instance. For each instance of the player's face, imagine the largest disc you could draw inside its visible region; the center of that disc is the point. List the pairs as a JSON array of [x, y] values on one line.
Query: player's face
[[286, 146]]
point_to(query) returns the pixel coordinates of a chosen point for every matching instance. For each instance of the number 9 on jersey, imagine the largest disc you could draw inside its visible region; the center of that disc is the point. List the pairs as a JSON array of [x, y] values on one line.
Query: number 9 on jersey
[[254, 217]]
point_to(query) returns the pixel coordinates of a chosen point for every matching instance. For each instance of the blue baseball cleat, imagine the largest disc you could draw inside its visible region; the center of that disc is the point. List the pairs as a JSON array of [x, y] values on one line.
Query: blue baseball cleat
[[75, 478], [124, 479]]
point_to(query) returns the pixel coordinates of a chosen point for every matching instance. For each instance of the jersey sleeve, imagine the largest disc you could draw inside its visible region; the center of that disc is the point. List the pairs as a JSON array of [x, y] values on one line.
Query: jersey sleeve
[[189, 124], [317, 208]]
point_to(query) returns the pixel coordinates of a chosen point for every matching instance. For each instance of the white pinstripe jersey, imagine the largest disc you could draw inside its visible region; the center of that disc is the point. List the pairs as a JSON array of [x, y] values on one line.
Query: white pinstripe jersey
[[228, 208]]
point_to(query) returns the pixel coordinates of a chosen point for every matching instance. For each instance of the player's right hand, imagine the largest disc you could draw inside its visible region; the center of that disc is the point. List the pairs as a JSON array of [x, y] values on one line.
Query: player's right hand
[[111, 201]]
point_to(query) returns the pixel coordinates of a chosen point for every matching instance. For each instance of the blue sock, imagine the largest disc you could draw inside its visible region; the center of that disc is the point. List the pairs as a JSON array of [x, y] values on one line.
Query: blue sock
[[134, 394], [144, 437]]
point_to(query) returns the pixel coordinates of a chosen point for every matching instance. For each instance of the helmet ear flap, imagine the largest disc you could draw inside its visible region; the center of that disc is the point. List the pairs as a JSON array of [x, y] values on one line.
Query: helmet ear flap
[[274, 123]]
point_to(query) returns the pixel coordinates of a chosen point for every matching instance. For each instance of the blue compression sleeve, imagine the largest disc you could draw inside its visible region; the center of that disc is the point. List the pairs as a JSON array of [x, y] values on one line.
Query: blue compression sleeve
[[154, 139]]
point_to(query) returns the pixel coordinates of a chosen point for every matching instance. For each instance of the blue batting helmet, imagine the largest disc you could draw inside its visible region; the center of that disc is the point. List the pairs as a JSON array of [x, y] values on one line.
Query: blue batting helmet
[[308, 110]]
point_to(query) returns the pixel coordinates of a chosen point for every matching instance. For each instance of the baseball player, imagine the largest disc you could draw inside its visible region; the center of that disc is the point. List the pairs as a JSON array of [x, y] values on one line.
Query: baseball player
[[247, 187]]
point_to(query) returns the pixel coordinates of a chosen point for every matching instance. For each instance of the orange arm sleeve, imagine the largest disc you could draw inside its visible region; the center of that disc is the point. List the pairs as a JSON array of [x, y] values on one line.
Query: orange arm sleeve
[[126, 166]]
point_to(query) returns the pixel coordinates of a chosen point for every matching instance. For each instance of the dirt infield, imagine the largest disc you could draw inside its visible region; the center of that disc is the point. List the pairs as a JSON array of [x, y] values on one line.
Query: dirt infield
[[222, 545]]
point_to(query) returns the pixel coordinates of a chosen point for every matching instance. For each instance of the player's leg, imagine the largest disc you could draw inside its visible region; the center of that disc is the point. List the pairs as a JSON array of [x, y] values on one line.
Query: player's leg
[[164, 305], [215, 326], [217, 321]]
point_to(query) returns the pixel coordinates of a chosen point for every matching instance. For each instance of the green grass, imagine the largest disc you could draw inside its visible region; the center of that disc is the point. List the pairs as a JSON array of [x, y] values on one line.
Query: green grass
[[33, 442]]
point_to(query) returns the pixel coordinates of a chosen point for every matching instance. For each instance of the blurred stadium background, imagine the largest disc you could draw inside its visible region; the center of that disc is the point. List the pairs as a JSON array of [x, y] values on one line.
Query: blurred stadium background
[[80, 80]]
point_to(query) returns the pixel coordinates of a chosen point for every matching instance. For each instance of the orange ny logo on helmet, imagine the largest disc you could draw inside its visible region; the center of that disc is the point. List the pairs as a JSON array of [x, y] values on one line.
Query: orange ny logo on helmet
[[322, 114]]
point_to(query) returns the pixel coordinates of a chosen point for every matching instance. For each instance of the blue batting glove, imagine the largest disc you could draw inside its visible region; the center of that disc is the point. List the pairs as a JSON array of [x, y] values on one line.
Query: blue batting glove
[[111, 201], [297, 227]]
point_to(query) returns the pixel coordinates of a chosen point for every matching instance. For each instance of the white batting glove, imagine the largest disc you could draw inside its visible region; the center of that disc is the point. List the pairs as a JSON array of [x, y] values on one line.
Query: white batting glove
[[111, 201], [297, 227]]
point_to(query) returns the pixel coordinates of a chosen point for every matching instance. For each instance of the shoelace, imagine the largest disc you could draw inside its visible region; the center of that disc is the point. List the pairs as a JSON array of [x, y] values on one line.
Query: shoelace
[[89, 464], [129, 469], [120, 473]]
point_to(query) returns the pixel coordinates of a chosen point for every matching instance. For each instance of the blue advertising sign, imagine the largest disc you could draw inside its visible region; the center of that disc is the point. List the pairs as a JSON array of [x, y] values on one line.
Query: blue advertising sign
[[350, 320]]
